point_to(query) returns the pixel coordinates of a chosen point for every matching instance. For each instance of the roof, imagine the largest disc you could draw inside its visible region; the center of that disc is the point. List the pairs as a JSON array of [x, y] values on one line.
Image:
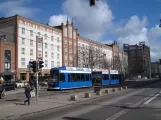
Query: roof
[[43, 24]]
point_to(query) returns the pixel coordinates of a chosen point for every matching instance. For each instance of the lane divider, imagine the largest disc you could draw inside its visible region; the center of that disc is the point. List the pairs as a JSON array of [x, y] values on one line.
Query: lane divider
[[152, 98]]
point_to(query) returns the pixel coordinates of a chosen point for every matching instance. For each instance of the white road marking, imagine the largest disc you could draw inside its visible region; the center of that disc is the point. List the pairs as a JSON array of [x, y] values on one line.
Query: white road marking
[[7, 106], [148, 101], [119, 114]]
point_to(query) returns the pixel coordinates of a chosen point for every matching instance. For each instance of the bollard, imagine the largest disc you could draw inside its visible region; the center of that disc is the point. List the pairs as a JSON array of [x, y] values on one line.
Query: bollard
[[106, 91], [73, 97], [120, 88], [125, 87], [113, 90], [87, 95], [98, 93]]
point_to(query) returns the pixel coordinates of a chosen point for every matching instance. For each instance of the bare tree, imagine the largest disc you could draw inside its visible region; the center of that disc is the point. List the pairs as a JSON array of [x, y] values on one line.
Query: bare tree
[[90, 57]]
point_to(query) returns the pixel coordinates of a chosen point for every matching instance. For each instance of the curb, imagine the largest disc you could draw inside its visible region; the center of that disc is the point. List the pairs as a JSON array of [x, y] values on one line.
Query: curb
[[20, 117]]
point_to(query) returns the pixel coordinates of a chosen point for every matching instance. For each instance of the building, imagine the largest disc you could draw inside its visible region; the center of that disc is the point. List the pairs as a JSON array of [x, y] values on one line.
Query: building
[[27, 40], [69, 44], [155, 69], [31, 41], [138, 59], [93, 54]]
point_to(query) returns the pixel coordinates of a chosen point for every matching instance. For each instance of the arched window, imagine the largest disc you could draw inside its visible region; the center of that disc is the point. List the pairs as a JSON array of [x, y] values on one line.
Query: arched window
[[7, 60]]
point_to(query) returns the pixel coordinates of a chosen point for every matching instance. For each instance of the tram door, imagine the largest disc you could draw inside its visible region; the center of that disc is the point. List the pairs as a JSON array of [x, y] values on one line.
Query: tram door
[[97, 78]]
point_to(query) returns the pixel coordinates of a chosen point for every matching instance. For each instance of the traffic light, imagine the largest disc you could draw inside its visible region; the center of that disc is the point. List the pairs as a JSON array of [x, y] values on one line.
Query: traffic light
[[41, 64], [33, 65], [92, 2]]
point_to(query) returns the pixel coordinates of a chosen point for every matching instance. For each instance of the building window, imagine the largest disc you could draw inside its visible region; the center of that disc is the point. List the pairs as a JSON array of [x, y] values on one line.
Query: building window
[[58, 47], [46, 63], [23, 51], [58, 64], [31, 32], [65, 49], [23, 30], [23, 76], [58, 39], [23, 23], [23, 41], [70, 50], [39, 34], [39, 44], [52, 64], [31, 52], [45, 36], [52, 55], [65, 41], [74, 43], [7, 57], [58, 55], [70, 58], [52, 38], [46, 54], [23, 62], [52, 47], [31, 42], [46, 45], [66, 57], [39, 53]]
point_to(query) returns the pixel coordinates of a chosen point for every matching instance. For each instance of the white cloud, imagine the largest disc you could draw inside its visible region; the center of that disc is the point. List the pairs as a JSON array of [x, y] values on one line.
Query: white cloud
[[95, 22], [10, 8], [135, 31], [90, 20], [58, 19]]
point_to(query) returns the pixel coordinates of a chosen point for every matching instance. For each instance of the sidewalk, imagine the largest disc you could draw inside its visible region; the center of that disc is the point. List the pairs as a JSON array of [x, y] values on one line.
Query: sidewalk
[[17, 109]]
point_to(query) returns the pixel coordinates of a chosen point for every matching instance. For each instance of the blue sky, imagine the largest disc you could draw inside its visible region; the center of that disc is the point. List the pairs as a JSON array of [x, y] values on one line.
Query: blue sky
[[127, 21]]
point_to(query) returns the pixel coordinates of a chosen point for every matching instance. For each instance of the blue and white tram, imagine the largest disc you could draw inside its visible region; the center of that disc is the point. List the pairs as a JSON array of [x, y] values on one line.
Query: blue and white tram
[[69, 77]]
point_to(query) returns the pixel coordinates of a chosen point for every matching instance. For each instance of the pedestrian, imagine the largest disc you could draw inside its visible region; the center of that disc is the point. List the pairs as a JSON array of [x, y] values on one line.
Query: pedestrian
[[28, 94]]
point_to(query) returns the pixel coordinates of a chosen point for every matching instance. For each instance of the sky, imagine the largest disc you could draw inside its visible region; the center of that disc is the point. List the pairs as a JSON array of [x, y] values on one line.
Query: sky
[[127, 21]]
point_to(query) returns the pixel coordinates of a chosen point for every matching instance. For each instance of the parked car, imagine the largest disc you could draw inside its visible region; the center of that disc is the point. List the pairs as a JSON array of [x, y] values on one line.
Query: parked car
[[10, 85], [21, 84]]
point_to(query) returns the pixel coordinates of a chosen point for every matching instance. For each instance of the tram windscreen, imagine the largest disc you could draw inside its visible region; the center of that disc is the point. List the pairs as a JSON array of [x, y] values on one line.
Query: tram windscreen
[[54, 75], [97, 77]]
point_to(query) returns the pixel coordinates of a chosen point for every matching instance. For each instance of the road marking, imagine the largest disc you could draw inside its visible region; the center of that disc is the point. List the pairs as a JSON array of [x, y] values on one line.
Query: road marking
[[119, 114], [148, 101], [7, 106]]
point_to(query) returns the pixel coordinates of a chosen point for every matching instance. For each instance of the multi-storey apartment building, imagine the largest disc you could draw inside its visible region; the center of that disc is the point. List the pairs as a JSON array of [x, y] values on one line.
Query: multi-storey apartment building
[[69, 44], [94, 52], [32, 41], [27, 40], [138, 59]]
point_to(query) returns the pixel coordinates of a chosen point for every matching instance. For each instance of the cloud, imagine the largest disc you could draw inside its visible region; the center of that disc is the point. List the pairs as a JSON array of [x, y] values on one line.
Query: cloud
[[58, 19], [10, 8], [90, 20], [97, 22], [134, 31]]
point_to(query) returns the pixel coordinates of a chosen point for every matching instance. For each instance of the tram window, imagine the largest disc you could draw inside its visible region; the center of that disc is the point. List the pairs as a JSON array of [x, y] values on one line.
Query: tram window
[[68, 77], [73, 78], [106, 77], [78, 77], [112, 77], [62, 77], [82, 77], [87, 77]]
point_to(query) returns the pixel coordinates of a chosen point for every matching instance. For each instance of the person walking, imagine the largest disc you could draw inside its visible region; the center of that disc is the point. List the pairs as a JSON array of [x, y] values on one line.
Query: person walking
[[28, 94]]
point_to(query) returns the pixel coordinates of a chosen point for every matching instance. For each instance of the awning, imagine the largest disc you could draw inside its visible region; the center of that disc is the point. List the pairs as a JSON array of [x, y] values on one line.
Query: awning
[[7, 73]]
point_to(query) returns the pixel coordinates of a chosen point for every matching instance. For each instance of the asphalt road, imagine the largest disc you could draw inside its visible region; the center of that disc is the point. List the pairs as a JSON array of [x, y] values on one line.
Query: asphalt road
[[140, 104]]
